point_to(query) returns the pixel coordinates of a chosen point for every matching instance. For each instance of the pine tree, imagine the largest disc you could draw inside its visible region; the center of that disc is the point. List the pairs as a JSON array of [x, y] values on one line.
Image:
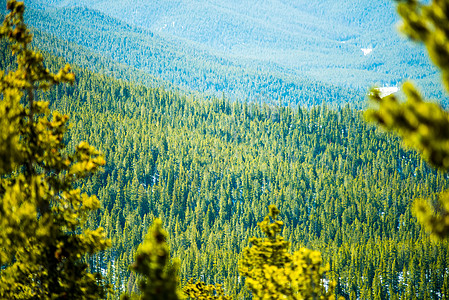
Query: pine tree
[[158, 275], [42, 245], [422, 125], [273, 273]]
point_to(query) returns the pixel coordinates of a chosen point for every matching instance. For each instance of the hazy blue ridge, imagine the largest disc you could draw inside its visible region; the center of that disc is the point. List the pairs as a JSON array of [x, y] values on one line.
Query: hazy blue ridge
[[187, 67], [235, 47]]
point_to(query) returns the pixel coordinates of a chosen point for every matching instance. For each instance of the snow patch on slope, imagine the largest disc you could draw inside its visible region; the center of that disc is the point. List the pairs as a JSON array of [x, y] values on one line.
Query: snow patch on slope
[[366, 51], [387, 90]]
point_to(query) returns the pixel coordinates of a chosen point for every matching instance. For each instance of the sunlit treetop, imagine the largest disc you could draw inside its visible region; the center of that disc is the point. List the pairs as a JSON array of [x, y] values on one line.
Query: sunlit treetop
[[40, 211]]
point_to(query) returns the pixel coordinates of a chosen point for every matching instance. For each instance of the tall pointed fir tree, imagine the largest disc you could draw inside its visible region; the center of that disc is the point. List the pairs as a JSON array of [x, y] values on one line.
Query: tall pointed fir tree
[[41, 214], [273, 273], [158, 277]]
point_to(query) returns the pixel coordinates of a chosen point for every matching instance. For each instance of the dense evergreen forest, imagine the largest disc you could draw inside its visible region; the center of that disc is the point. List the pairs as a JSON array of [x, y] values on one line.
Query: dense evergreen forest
[[320, 41], [210, 167], [316, 62], [175, 62]]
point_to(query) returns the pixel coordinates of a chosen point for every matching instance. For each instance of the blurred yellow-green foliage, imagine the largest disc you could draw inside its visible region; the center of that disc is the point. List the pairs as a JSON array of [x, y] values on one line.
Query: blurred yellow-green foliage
[[422, 125], [273, 273], [41, 212]]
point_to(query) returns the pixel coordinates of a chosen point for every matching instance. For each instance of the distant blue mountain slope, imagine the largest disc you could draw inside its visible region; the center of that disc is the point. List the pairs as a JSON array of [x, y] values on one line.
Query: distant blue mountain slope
[[176, 62], [349, 43]]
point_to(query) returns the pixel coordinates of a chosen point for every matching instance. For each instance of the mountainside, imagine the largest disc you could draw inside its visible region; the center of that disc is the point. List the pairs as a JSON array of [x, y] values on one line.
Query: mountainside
[[273, 23], [209, 166], [325, 41], [182, 65]]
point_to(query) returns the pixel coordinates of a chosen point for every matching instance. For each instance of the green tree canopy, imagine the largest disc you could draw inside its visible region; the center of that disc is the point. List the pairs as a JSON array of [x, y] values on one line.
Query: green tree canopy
[[41, 212], [273, 273], [422, 125], [158, 275], [202, 291]]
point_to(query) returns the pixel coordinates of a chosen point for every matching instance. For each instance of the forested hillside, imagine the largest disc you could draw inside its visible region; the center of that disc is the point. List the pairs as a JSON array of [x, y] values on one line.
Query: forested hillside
[[209, 169], [179, 64], [294, 41]]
